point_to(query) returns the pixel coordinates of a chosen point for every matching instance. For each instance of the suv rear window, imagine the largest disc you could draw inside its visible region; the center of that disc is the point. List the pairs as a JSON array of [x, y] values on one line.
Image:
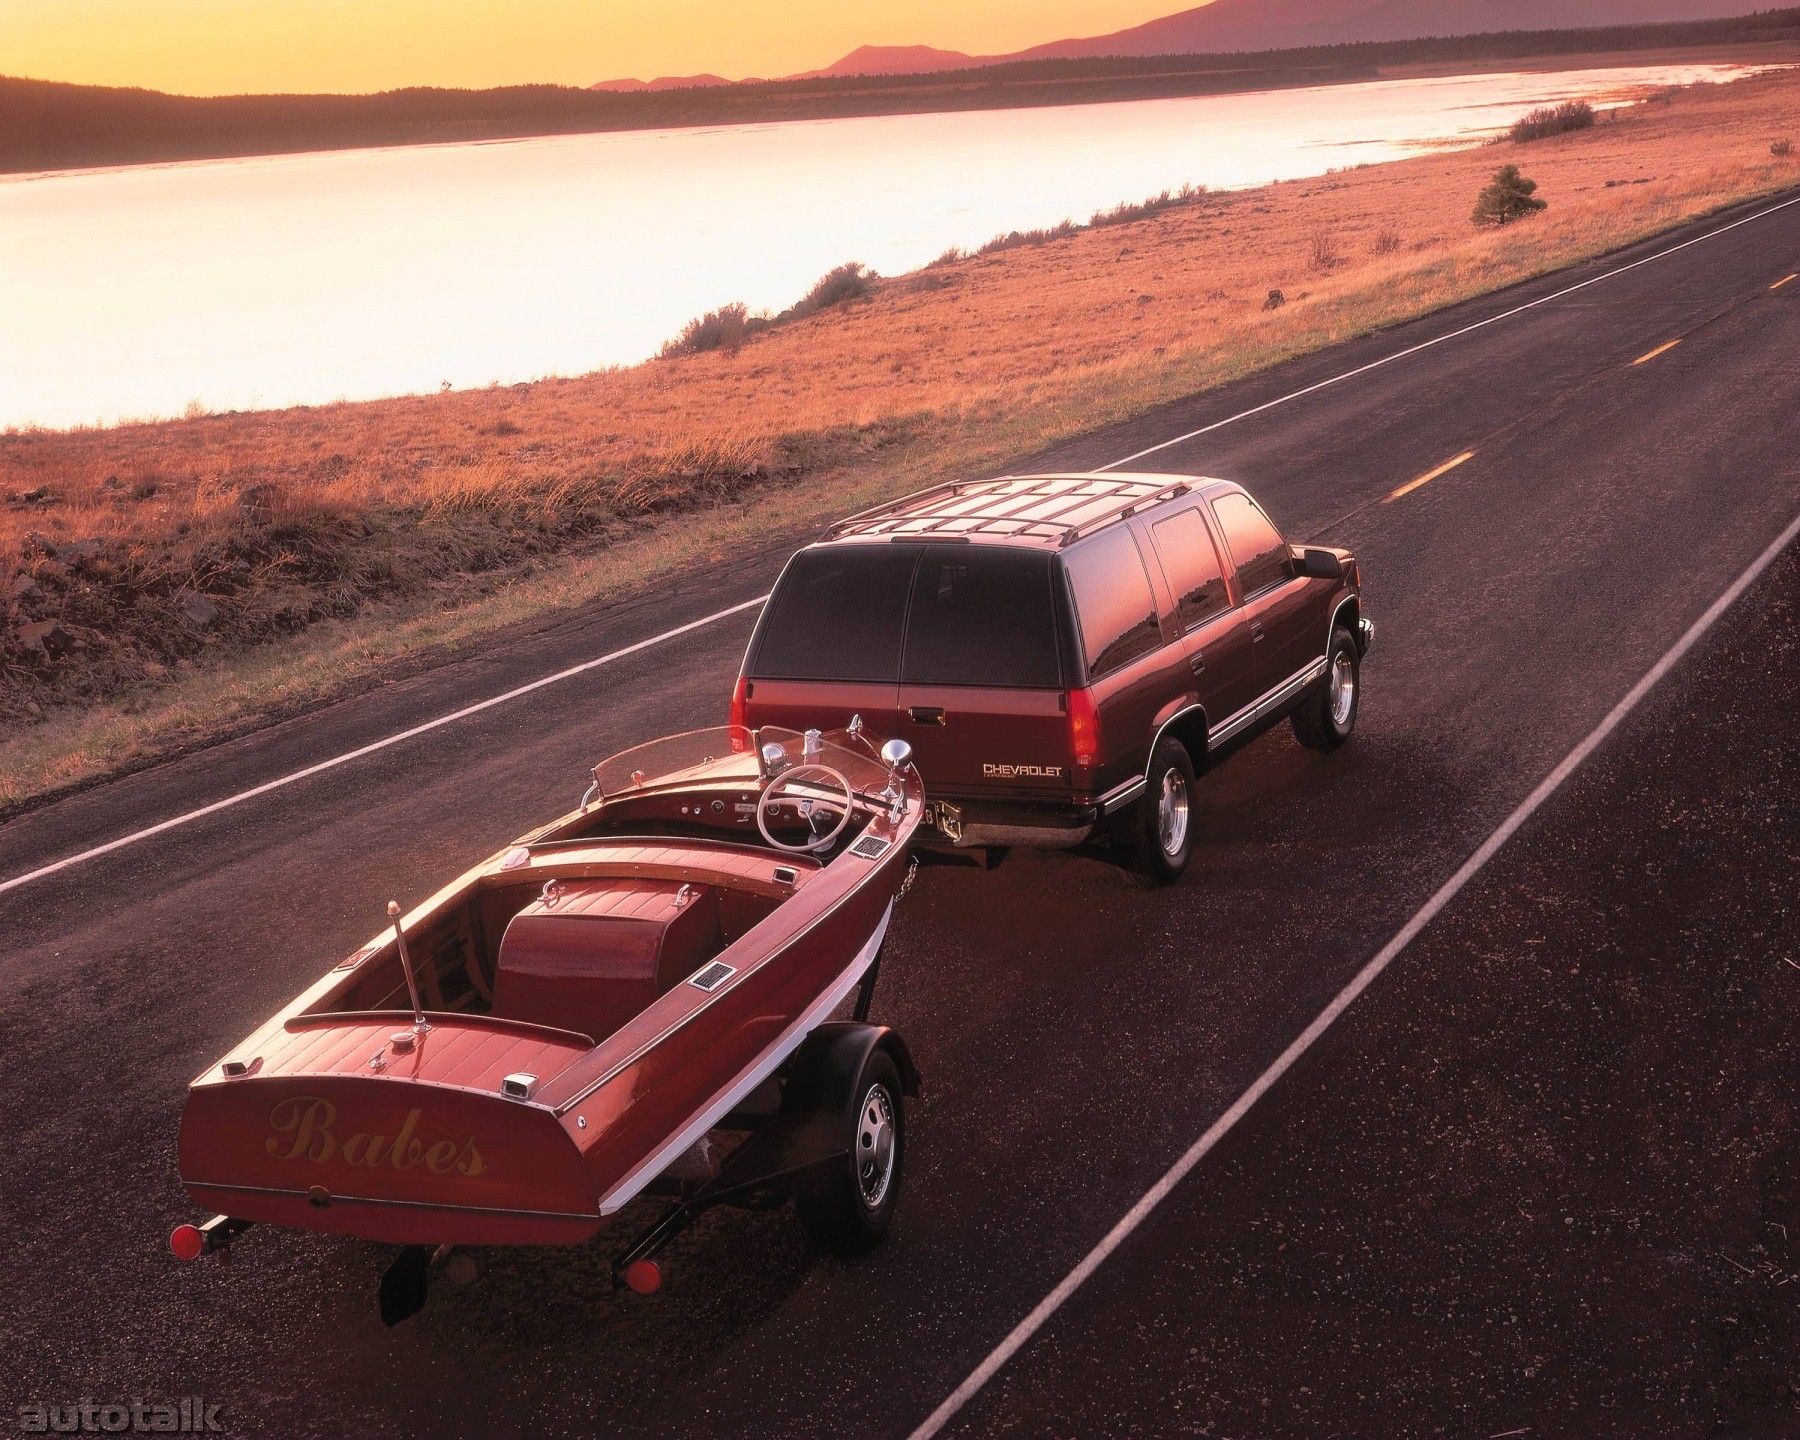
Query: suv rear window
[[838, 614], [982, 615], [1112, 600], [1258, 550]]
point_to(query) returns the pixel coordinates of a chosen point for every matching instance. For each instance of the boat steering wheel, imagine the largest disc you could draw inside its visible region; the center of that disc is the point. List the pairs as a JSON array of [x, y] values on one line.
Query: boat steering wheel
[[809, 789]]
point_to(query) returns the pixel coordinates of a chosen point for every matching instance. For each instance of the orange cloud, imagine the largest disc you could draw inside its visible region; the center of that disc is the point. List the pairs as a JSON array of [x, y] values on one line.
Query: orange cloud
[[211, 47]]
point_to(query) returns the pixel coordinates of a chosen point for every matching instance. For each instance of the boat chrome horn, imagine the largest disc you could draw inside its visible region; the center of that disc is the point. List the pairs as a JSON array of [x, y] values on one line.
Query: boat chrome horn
[[404, 1041]]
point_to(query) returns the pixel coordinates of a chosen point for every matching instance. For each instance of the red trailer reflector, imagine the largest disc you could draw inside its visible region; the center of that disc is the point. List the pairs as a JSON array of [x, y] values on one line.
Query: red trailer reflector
[[187, 1242], [644, 1276]]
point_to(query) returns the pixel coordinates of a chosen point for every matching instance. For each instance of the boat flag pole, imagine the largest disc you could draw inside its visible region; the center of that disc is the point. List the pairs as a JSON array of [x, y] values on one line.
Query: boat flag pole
[[420, 1024]]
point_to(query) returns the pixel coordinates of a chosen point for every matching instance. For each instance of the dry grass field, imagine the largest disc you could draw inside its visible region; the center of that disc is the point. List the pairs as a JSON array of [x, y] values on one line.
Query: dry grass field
[[160, 582]]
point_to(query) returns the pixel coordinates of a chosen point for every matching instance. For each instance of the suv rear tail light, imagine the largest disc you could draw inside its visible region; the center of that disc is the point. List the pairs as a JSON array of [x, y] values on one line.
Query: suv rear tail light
[[1086, 747], [740, 716]]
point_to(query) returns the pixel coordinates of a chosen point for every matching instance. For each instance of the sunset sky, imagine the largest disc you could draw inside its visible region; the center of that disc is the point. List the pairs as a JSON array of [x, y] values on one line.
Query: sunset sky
[[210, 47]]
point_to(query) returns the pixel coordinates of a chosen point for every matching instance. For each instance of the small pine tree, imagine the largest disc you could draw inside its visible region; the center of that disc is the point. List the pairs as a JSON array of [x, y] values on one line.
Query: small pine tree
[[1508, 197]]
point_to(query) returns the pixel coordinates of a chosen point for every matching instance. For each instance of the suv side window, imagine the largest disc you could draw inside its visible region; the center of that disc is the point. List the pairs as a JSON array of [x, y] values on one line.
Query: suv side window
[[1190, 562], [1113, 603], [1257, 549]]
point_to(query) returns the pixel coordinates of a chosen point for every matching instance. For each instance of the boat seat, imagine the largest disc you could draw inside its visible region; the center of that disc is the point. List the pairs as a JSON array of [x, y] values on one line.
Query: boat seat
[[590, 955]]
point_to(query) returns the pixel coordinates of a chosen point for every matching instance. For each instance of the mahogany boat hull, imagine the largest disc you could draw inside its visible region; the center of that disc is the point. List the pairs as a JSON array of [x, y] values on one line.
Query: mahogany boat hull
[[485, 1130]]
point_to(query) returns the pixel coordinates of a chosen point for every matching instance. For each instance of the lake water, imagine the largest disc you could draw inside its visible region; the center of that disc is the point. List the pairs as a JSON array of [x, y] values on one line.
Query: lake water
[[241, 284]]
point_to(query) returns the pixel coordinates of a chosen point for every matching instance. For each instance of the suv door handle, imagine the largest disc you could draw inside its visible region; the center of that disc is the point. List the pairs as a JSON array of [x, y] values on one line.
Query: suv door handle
[[1255, 631], [926, 714], [1197, 662]]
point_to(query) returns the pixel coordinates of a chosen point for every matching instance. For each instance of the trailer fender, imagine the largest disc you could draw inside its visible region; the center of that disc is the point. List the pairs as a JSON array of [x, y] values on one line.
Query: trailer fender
[[822, 1075]]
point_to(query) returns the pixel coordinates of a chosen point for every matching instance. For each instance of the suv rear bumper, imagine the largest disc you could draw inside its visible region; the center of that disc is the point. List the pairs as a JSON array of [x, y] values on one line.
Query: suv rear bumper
[[972, 824]]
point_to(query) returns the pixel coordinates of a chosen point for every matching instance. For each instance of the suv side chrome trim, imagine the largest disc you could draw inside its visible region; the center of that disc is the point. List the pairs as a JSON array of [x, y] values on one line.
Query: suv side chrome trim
[[1122, 795], [1269, 700], [1352, 598], [1162, 729]]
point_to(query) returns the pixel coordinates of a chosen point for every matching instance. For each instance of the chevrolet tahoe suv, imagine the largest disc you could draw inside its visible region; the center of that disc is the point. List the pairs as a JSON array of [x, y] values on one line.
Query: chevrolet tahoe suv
[[1063, 652]]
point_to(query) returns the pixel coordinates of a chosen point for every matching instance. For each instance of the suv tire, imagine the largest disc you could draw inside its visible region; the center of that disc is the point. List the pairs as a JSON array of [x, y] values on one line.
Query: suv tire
[[1161, 831], [1327, 716]]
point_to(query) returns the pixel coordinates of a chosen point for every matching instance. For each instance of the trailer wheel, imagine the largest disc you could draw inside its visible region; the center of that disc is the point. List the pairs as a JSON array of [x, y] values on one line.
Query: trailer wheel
[[846, 1207]]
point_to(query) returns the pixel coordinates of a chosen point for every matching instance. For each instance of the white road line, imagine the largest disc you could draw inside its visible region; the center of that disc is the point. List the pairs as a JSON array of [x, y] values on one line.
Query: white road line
[[1440, 339], [372, 747], [337, 760], [1022, 1333]]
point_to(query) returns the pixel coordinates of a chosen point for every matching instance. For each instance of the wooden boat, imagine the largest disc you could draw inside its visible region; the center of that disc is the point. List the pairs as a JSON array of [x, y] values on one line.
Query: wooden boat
[[636, 996]]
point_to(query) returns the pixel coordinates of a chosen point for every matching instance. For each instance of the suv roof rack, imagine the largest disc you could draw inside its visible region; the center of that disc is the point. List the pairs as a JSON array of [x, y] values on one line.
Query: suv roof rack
[[1058, 508]]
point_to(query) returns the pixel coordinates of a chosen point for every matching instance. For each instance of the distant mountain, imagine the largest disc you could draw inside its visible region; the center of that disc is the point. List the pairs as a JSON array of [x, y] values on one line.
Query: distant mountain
[[1228, 25], [663, 82], [893, 60]]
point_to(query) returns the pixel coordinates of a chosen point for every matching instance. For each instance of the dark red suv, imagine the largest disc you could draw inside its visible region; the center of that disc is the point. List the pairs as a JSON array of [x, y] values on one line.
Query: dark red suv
[[1062, 652]]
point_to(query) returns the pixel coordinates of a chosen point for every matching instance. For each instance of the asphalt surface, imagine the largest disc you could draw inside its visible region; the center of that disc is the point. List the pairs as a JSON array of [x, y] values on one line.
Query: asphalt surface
[[1491, 1197]]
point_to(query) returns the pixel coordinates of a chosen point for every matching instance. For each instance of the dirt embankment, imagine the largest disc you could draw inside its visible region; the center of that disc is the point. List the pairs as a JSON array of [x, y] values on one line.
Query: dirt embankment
[[158, 581]]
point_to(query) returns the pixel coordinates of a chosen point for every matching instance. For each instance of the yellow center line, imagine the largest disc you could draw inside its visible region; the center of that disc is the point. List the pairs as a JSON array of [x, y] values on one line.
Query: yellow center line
[[1666, 345], [1429, 476], [1784, 279]]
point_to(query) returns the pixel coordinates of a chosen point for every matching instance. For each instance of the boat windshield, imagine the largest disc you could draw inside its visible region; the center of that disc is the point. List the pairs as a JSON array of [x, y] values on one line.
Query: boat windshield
[[731, 753]]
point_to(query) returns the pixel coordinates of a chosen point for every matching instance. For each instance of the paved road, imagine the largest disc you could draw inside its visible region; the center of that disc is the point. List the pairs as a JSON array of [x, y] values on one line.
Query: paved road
[[1076, 1034]]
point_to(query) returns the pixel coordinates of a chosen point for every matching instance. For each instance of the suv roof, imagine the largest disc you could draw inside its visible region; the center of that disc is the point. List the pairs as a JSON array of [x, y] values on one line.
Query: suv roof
[[1044, 511]]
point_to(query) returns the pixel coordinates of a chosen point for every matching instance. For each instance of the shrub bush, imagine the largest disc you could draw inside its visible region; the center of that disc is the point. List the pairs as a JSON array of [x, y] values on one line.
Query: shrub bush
[[1552, 120], [1508, 197], [1386, 242], [723, 329], [1014, 238], [846, 282], [1781, 149], [1131, 210], [1325, 254]]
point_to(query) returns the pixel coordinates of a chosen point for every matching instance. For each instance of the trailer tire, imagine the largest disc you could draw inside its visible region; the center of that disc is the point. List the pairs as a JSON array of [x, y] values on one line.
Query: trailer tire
[[846, 1207]]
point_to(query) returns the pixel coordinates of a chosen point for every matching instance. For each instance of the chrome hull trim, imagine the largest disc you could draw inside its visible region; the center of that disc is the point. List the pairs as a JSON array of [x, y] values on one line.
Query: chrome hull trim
[[748, 1079]]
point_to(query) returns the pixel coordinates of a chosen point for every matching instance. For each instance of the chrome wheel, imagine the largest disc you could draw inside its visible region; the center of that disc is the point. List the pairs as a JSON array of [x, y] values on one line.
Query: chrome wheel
[[1172, 812], [1343, 689], [875, 1146]]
